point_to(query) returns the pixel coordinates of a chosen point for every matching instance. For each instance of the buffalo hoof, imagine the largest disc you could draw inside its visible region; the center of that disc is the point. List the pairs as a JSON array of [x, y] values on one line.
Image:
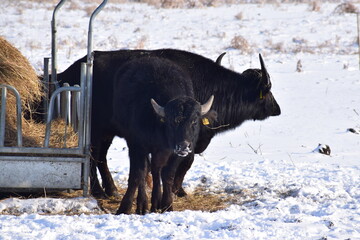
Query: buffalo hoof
[[142, 206], [167, 209], [112, 193], [180, 192], [155, 210], [125, 206], [118, 212], [122, 211], [142, 211], [99, 194]]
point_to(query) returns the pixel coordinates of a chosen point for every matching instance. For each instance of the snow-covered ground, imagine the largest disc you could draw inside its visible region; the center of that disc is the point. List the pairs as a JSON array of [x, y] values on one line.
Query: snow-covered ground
[[285, 188]]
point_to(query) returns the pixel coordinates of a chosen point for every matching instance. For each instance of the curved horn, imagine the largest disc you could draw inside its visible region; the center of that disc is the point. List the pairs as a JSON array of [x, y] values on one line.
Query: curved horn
[[205, 108], [157, 108], [218, 60], [264, 74]]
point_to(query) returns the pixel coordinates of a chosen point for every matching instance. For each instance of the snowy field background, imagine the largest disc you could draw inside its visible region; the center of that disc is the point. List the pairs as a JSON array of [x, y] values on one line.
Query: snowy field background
[[284, 188]]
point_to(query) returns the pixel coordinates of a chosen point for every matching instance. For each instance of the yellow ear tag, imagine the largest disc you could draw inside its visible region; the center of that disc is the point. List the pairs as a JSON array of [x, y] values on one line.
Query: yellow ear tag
[[205, 121], [261, 95], [162, 120]]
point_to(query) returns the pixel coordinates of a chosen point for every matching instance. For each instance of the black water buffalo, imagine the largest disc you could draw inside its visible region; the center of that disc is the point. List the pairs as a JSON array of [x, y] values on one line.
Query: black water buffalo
[[239, 97], [141, 87]]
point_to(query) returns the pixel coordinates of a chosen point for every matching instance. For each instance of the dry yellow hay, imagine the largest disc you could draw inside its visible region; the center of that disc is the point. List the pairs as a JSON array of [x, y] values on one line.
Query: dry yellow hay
[[16, 71], [34, 135]]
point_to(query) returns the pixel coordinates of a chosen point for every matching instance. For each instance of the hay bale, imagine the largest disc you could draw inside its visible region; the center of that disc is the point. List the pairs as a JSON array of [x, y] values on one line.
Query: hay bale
[[16, 71]]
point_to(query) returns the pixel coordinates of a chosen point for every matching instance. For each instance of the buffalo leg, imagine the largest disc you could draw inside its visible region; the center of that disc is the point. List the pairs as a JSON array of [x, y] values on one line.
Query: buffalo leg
[[142, 200], [137, 176], [182, 169], [158, 161], [107, 180], [95, 187], [156, 191], [167, 176]]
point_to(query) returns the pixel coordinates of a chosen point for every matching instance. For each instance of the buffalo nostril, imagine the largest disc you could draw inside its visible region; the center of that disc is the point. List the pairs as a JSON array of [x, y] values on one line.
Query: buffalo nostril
[[183, 148], [183, 145]]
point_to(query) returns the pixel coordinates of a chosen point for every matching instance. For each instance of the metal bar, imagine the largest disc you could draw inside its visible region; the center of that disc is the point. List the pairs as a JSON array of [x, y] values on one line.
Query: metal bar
[[33, 189], [87, 127], [40, 150], [18, 113], [64, 104], [89, 75], [46, 88], [42, 159], [75, 108], [2, 116], [67, 116], [68, 107], [51, 109], [93, 15], [57, 110], [53, 43], [81, 132], [65, 109], [88, 102], [18, 116]]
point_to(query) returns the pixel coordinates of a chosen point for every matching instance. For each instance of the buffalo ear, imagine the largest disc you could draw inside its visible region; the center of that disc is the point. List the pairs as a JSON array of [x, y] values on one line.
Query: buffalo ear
[[218, 60], [157, 108], [206, 106], [265, 78]]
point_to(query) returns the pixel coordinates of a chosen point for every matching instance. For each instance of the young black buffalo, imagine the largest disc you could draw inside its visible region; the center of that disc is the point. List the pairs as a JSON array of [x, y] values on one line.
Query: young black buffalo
[[141, 87], [239, 97]]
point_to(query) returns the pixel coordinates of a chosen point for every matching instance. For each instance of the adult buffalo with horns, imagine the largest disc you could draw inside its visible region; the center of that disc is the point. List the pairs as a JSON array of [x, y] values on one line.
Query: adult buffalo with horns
[[239, 97]]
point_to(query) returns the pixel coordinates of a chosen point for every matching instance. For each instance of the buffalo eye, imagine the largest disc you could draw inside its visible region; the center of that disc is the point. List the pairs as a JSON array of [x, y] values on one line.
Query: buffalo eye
[[194, 122]]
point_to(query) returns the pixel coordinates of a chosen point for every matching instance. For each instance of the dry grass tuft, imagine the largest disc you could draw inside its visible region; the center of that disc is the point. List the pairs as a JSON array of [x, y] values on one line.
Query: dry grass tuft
[[315, 6], [276, 47], [298, 66], [240, 43], [172, 3], [346, 7], [141, 43], [239, 16], [201, 200]]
